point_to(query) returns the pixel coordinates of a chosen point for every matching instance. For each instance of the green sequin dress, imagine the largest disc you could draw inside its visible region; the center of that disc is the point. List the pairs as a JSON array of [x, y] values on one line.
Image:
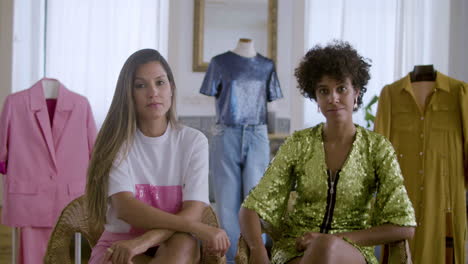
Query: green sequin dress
[[369, 191]]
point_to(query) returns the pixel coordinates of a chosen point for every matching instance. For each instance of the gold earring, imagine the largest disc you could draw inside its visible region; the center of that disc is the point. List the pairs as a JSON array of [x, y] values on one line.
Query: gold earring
[[355, 104]]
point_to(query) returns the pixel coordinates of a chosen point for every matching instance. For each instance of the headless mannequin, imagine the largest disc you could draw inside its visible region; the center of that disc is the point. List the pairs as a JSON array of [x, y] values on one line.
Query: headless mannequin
[[423, 80], [245, 48], [50, 88]]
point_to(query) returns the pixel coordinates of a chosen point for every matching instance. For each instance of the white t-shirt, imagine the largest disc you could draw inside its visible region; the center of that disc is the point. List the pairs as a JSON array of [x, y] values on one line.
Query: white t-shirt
[[162, 172]]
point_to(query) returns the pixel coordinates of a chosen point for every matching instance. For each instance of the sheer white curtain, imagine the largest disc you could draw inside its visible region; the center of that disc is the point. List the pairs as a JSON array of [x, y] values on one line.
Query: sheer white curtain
[[423, 34], [28, 40], [394, 34], [87, 43]]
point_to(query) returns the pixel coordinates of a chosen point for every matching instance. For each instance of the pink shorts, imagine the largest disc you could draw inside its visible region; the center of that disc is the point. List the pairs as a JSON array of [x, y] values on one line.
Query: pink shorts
[[105, 241]]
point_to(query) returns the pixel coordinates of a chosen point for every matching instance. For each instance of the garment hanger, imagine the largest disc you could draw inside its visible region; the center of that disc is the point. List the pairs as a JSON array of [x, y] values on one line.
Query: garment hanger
[[423, 73]]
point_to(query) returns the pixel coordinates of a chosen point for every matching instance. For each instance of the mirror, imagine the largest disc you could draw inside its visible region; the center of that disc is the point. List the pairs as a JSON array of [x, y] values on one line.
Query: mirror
[[219, 24]]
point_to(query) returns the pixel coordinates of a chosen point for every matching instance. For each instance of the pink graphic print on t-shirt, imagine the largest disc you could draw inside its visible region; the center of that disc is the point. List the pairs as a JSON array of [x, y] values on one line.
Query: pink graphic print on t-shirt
[[166, 198]]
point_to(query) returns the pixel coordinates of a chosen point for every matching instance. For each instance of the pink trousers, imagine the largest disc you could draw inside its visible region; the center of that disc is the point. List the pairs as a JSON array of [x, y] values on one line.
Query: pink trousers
[[33, 244]]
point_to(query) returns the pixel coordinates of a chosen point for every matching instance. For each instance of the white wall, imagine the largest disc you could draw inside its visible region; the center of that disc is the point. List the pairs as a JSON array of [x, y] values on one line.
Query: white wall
[[458, 59], [6, 51], [189, 101], [297, 49], [28, 43], [290, 48], [223, 26], [6, 47]]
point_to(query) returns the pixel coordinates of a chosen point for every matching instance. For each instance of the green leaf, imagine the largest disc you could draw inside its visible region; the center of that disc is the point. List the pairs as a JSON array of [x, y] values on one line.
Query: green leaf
[[368, 116]]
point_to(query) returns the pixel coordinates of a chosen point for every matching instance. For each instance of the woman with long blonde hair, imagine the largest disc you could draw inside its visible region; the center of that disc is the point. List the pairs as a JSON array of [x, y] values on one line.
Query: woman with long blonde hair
[[148, 175]]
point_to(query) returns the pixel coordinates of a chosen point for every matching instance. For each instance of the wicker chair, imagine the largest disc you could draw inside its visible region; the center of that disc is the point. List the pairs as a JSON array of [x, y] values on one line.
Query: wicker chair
[[74, 219], [393, 253]]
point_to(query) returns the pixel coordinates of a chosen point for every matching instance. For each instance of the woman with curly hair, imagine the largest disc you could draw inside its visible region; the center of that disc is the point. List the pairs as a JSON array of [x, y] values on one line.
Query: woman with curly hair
[[350, 192]]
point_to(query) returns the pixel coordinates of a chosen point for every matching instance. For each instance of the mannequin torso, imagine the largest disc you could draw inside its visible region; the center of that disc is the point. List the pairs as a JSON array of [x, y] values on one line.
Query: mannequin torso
[[245, 48], [423, 80], [422, 93]]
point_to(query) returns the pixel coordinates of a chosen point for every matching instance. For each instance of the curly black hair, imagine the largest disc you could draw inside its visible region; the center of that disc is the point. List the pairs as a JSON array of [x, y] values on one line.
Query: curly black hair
[[338, 60]]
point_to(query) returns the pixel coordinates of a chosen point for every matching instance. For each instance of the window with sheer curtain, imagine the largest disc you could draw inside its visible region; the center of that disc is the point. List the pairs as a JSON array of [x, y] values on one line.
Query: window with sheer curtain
[[87, 43], [394, 34]]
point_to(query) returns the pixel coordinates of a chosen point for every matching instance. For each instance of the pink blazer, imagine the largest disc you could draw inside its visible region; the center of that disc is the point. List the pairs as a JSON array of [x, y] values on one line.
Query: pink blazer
[[45, 167]]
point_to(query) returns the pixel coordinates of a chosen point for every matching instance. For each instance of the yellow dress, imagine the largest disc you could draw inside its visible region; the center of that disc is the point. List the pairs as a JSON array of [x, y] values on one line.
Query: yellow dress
[[432, 149], [370, 173]]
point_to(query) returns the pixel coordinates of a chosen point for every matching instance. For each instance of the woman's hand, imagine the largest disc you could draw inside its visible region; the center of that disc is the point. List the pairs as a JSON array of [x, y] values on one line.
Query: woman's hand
[[259, 256], [303, 241], [122, 252], [215, 239]]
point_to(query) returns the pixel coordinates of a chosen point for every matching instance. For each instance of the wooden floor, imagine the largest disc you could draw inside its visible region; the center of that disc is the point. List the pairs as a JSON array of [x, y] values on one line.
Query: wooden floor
[[5, 243]]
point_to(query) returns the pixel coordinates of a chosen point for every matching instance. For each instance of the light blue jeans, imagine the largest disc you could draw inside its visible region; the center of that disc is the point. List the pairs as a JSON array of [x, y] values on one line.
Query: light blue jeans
[[238, 159]]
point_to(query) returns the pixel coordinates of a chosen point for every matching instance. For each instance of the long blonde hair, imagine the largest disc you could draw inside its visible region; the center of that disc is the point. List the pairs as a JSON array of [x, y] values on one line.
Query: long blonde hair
[[117, 132]]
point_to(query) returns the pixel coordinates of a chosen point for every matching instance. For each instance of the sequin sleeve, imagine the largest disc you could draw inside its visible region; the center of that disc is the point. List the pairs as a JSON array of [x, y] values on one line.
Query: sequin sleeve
[[212, 80], [273, 89], [392, 204], [269, 198]]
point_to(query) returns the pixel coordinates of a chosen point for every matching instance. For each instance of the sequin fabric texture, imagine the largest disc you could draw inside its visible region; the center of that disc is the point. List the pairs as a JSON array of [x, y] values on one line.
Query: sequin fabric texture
[[242, 87], [370, 190]]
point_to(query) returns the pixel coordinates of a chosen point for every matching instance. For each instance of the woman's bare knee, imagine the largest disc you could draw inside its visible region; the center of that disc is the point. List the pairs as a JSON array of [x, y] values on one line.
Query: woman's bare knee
[[323, 244], [182, 241], [180, 248], [330, 249]]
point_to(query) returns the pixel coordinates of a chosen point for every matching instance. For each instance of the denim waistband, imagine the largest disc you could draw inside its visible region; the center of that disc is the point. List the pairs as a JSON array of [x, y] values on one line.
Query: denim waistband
[[261, 127]]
